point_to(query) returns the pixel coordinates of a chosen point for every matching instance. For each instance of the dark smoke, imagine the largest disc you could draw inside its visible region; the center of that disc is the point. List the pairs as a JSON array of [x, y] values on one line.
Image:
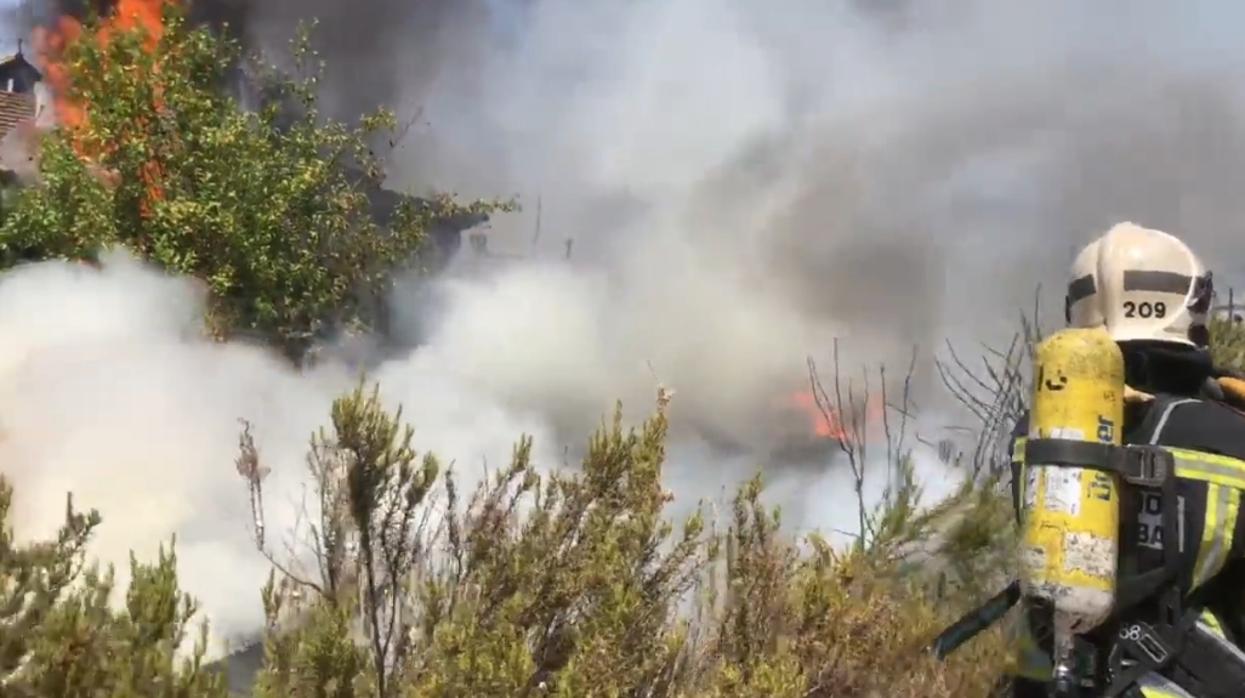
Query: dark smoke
[[742, 184], [375, 49]]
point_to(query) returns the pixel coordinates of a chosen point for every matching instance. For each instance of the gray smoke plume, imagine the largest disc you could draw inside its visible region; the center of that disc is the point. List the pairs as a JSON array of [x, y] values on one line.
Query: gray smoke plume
[[740, 184], [746, 184]]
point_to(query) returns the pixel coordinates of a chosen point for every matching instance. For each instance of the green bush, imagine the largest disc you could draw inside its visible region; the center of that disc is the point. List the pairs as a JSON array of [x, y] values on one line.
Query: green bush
[[59, 636], [268, 208]]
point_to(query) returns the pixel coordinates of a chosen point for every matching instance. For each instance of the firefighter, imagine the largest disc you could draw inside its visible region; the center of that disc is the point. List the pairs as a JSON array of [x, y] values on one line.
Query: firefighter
[[1180, 590]]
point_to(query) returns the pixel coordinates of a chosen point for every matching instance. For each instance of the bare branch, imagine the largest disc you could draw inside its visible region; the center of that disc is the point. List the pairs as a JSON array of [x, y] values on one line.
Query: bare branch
[[851, 444], [250, 469]]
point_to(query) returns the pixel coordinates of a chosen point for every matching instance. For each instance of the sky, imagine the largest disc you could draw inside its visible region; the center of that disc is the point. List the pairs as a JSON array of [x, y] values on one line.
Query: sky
[[9, 30]]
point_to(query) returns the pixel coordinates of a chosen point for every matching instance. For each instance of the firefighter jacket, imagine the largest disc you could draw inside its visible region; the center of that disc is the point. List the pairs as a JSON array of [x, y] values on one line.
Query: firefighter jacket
[[1205, 535]]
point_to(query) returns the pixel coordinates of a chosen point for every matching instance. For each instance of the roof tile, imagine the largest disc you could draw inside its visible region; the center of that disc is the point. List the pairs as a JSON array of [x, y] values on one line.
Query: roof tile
[[14, 109]]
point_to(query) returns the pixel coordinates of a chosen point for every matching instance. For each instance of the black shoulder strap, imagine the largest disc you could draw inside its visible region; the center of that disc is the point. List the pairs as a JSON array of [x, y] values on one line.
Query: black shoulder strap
[[1138, 587], [1150, 430]]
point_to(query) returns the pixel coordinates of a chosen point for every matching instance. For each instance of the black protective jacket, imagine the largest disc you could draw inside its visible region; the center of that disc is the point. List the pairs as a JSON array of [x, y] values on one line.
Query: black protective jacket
[[1207, 424]]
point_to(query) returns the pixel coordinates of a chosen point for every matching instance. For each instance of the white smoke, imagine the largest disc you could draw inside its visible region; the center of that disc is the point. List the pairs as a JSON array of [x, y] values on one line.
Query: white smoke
[[108, 390], [742, 184]]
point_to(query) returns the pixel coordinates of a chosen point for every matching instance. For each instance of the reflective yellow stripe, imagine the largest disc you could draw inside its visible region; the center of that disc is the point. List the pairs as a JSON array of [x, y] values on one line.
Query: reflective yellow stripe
[[1018, 450], [1156, 686], [1211, 622], [1225, 478], [1209, 467], [1222, 506], [1212, 530], [1155, 692]]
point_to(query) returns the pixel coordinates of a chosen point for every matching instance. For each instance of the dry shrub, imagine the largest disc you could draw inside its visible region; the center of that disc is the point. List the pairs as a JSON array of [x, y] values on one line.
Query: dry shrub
[[826, 623], [575, 584], [571, 583], [1227, 345]]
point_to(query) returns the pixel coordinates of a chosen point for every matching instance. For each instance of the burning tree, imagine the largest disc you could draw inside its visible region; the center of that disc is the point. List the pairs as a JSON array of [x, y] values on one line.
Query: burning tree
[[269, 208]]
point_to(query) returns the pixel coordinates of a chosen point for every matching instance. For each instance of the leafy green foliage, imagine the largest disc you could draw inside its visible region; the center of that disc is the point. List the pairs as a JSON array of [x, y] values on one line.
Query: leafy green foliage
[[268, 208], [34, 578], [59, 635]]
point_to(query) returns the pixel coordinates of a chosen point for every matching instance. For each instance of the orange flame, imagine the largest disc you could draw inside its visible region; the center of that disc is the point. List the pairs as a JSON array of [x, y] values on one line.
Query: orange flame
[[50, 46], [829, 423], [51, 43], [131, 14]]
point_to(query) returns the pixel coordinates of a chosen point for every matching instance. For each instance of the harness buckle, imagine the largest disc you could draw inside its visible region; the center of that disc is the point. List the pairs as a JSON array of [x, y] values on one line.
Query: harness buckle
[[1145, 465], [1145, 644]]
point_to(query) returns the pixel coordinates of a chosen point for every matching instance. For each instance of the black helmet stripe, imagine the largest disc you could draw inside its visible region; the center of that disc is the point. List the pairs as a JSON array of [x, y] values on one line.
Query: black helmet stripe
[[1157, 281], [1081, 288]]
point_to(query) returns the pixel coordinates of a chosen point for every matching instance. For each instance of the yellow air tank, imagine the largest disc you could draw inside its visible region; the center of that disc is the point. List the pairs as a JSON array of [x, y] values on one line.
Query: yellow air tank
[[1070, 540]]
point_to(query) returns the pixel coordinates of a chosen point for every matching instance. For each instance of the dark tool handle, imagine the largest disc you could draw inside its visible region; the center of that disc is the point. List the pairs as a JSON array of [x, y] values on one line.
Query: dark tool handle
[[975, 621]]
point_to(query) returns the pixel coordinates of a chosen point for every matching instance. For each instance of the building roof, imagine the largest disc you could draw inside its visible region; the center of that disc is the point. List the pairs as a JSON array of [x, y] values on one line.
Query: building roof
[[15, 107], [17, 61]]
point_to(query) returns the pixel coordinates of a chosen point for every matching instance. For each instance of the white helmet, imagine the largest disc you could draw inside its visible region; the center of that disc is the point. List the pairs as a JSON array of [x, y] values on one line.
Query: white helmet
[[1140, 284]]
